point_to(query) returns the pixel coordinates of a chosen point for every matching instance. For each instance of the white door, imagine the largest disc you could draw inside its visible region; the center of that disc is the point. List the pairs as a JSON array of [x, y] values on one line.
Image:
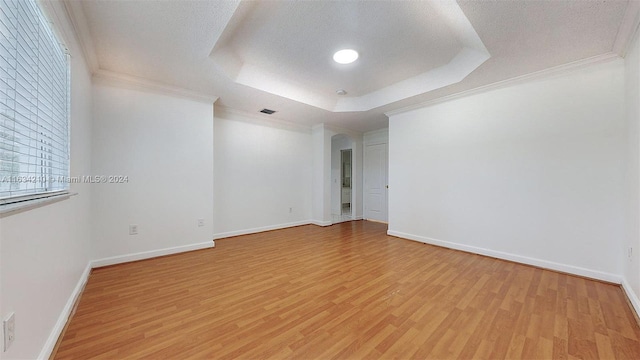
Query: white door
[[375, 182]]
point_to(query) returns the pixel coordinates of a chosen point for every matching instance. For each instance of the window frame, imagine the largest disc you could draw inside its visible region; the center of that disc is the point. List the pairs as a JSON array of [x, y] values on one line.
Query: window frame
[[45, 193]]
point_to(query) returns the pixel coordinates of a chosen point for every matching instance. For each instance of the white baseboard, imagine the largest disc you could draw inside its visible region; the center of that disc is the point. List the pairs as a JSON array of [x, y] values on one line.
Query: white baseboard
[[50, 344], [274, 227], [48, 347], [260, 229], [633, 297], [150, 254], [379, 222], [570, 269], [320, 223]]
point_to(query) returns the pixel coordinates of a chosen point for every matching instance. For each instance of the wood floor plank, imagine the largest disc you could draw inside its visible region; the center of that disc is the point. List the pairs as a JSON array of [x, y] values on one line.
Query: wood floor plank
[[347, 291]]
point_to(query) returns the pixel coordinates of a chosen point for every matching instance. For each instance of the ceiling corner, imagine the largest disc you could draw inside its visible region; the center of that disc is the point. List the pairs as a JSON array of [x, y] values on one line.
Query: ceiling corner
[[627, 28], [136, 83], [83, 34]]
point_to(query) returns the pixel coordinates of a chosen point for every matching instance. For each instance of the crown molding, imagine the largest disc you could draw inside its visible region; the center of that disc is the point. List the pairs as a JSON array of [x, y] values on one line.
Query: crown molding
[[227, 113], [136, 83], [80, 27], [377, 132], [58, 18], [336, 130], [340, 130], [553, 71], [628, 28]]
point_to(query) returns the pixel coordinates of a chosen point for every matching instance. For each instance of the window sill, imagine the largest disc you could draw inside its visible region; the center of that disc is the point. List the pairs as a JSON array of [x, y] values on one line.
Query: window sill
[[10, 209]]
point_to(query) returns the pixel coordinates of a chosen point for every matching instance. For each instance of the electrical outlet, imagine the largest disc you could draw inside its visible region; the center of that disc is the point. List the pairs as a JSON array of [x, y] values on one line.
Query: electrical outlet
[[200, 222], [9, 326], [290, 210], [133, 229], [630, 253]]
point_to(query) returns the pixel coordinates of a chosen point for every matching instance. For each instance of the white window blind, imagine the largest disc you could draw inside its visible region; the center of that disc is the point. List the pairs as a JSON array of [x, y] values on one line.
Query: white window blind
[[34, 105]]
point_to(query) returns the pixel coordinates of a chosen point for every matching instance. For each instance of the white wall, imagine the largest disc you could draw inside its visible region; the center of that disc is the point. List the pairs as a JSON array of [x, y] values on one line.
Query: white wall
[[164, 144], [262, 170], [321, 175], [380, 136], [533, 172], [45, 250], [632, 86]]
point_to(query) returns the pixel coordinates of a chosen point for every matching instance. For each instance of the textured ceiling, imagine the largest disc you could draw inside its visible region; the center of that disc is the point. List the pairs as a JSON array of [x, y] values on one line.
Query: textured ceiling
[[271, 37], [266, 46], [288, 46]]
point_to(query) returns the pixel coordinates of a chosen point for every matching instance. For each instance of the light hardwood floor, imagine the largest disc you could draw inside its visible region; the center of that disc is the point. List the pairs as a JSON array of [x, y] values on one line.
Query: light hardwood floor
[[344, 291]]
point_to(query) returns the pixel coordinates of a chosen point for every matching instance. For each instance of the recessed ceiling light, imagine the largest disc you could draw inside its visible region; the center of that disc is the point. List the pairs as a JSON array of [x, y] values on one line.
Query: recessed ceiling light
[[346, 56], [341, 92]]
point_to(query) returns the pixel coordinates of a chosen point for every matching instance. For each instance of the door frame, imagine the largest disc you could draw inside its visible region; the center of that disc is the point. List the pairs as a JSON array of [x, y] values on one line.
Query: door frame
[[380, 141]]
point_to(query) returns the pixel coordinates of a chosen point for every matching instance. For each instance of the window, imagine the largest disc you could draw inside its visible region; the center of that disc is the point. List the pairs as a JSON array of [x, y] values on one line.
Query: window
[[34, 105]]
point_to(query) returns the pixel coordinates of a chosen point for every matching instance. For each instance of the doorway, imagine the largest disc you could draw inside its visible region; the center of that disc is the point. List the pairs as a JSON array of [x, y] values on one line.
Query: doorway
[[345, 183], [343, 179]]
